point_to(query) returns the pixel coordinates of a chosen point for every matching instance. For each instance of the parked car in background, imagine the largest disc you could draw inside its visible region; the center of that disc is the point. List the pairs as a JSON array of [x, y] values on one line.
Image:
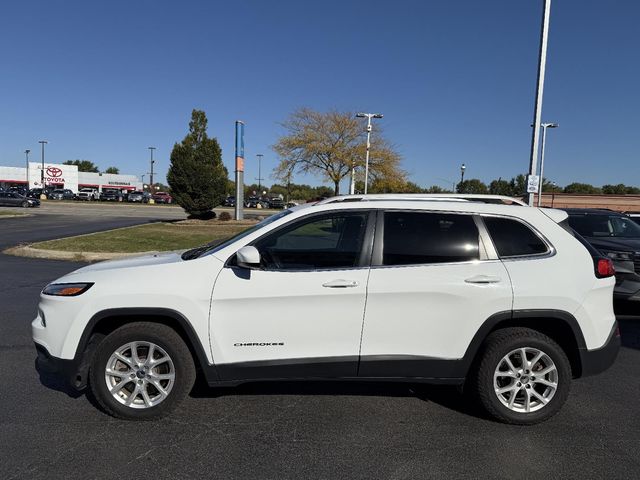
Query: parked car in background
[[635, 216], [276, 202], [162, 197], [230, 201], [88, 193], [111, 195], [137, 197], [36, 192], [61, 194], [252, 202], [498, 298], [618, 237], [13, 199], [19, 190]]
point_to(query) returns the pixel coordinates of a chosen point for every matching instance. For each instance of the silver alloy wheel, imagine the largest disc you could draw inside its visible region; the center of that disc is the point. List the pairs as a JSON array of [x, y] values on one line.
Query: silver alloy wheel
[[140, 374], [525, 380]]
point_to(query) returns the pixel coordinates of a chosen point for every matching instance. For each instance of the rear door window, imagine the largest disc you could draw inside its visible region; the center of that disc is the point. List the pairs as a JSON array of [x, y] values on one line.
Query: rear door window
[[412, 238], [513, 238]]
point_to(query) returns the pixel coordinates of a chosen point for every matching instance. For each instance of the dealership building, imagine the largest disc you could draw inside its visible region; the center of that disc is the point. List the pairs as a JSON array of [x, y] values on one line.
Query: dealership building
[[65, 176]]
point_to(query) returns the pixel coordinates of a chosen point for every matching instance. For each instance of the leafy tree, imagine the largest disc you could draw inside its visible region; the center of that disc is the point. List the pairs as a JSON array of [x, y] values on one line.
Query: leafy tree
[[518, 185], [330, 144], [197, 176], [472, 186], [437, 189], [620, 189], [500, 187], [577, 187], [83, 165], [114, 170], [550, 187]]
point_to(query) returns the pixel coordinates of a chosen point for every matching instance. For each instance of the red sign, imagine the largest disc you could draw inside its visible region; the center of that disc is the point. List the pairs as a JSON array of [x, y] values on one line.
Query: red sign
[[54, 172]]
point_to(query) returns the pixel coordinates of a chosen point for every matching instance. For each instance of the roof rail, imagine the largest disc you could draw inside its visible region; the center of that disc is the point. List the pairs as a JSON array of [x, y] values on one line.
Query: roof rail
[[442, 197]]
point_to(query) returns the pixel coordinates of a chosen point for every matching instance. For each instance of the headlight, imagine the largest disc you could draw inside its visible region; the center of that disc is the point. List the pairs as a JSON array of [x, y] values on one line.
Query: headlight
[[66, 289], [619, 256]]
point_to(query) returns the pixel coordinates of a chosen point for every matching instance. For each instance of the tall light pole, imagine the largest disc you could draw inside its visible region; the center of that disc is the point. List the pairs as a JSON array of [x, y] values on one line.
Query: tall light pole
[[463, 167], [259, 155], [544, 141], [151, 149], [42, 195], [368, 116], [27, 152], [542, 62]]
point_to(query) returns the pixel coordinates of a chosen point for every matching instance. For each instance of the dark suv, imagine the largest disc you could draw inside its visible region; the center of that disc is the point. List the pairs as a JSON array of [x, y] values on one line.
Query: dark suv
[[618, 237]]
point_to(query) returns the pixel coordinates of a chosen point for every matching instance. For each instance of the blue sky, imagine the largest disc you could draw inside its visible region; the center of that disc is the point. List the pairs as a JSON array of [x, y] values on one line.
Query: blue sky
[[455, 80]]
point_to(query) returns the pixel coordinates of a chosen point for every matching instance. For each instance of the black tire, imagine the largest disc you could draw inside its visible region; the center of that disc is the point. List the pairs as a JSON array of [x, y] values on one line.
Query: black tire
[[162, 336], [495, 348], [25, 204]]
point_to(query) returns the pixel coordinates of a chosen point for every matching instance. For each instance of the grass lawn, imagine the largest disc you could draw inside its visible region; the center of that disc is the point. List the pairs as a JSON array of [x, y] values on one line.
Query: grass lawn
[[11, 213], [144, 238]]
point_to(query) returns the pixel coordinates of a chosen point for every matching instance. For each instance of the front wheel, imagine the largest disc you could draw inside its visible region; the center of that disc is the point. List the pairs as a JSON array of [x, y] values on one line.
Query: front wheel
[[25, 204], [141, 371], [523, 377]]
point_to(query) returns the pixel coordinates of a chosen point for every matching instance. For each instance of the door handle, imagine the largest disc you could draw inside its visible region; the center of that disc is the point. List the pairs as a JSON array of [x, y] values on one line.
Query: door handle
[[340, 284], [483, 279]]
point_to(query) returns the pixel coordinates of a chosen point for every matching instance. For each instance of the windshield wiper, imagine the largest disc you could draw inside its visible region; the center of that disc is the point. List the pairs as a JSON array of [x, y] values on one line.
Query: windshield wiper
[[201, 250]]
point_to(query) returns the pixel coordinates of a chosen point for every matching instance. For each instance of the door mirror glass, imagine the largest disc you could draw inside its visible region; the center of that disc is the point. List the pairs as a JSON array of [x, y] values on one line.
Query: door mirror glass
[[248, 257]]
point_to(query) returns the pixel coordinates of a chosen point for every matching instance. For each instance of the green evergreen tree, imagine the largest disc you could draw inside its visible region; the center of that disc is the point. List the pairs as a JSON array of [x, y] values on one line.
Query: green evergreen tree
[[197, 176]]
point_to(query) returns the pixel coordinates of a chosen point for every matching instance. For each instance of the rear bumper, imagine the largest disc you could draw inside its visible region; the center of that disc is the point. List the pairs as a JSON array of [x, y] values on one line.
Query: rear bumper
[[598, 360]]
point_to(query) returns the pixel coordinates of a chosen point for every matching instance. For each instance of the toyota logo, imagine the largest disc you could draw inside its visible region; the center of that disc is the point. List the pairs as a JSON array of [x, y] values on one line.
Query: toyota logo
[[54, 171]]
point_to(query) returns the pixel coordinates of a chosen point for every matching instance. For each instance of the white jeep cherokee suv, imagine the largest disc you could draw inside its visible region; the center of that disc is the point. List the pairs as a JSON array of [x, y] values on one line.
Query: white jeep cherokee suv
[[504, 300]]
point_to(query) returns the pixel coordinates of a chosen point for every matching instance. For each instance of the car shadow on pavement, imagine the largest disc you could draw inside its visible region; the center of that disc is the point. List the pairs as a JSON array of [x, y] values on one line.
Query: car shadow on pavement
[[447, 396], [54, 382]]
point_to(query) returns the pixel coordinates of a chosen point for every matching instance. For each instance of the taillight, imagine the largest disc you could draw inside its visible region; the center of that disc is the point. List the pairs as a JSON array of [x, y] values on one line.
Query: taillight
[[604, 268]]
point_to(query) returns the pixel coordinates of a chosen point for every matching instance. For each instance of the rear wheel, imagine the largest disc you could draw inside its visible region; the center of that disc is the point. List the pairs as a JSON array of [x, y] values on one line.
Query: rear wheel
[[523, 376], [141, 371]]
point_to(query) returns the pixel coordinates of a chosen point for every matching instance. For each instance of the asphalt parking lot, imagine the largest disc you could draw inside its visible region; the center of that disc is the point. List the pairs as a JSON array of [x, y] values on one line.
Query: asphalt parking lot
[[289, 430]]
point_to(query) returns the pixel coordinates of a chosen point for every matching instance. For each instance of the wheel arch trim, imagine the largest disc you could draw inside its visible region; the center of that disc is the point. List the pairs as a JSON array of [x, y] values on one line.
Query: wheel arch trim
[[511, 317], [138, 313]]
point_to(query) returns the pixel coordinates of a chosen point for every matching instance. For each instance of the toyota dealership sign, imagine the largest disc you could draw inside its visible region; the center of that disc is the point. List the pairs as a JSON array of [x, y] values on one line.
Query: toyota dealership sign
[[53, 175]]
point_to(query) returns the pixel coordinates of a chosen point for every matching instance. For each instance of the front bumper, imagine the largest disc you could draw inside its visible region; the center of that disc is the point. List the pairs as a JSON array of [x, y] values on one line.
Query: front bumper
[[72, 372], [598, 360]]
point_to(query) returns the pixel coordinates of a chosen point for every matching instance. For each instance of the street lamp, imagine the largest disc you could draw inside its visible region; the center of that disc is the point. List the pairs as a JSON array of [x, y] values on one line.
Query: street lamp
[[42, 195], [537, 113], [368, 116], [27, 152], [463, 167], [151, 149], [259, 155], [544, 139]]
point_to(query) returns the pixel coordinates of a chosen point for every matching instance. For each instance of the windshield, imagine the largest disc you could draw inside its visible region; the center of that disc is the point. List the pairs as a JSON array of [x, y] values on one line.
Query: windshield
[[605, 226], [219, 245]]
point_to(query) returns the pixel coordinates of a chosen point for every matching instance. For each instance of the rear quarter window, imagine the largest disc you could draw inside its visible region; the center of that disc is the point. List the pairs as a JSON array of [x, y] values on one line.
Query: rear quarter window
[[513, 238]]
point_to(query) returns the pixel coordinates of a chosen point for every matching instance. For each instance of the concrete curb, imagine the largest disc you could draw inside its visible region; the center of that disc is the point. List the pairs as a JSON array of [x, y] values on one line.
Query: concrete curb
[[27, 251]]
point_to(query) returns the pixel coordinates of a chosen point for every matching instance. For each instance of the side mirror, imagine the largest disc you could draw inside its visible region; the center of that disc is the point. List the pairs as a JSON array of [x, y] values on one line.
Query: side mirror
[[248, 257]]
